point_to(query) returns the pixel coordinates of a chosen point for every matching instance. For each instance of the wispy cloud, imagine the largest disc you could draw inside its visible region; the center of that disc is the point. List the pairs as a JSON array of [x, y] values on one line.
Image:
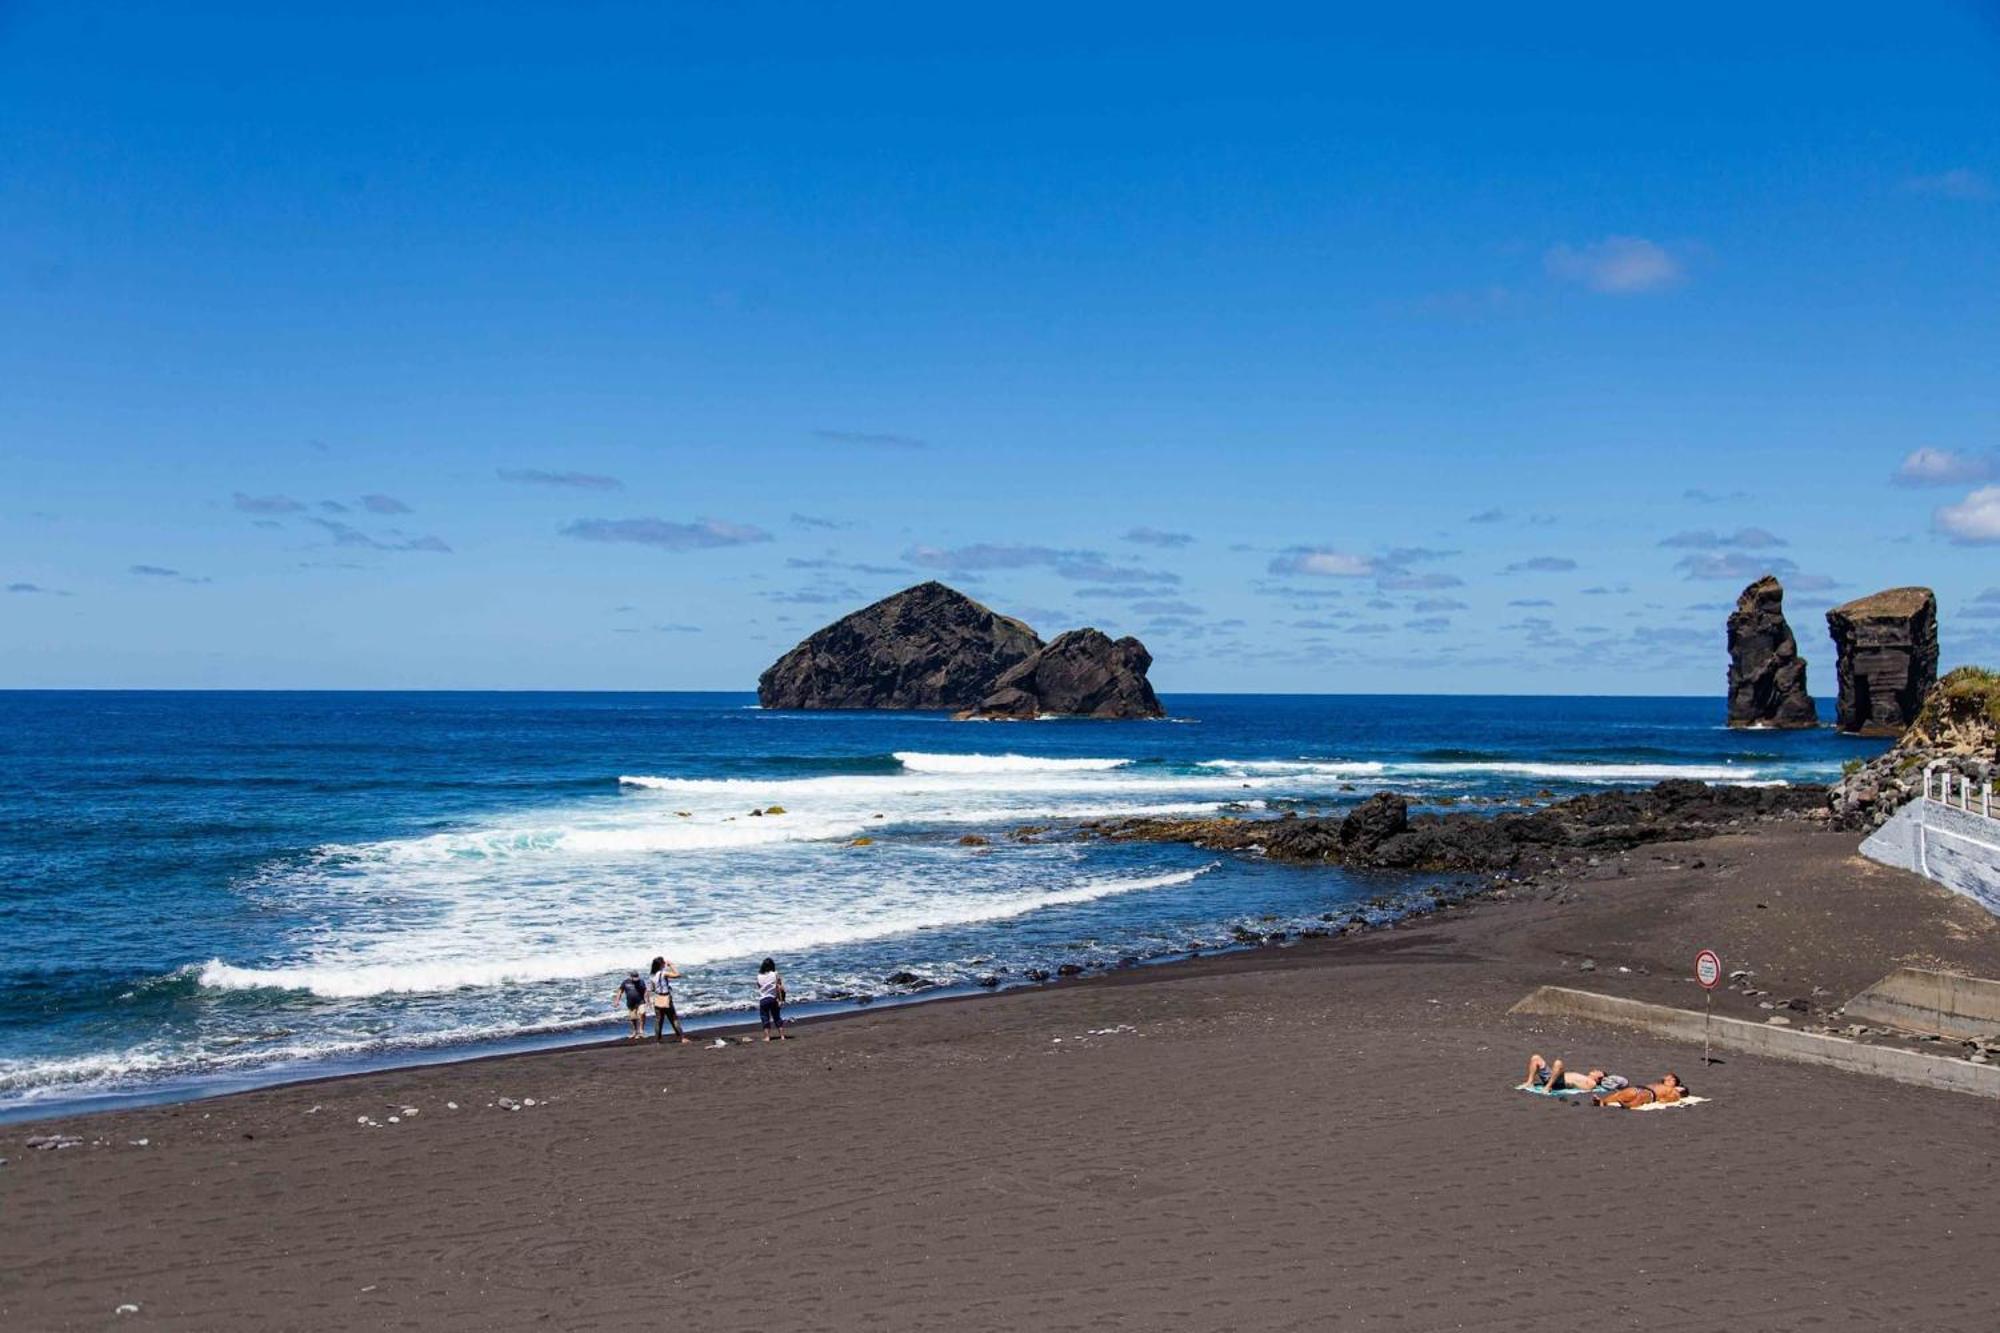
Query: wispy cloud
[[1531, 601], [35, 589], [266, 504], [672, 628], [1165, 607], [573, 481], [851, 566], [874, 439], [1433, 605], [332, 507], [1541, 564], [1945, 467], [1155, 537], [1707, 497], [1736, 565], [1616, 265], [1488, 516], [1708, 539], [344, 534], [1973, 521], [1957, 183], [702, 534], [1325, 562], [820, 524], [1081, 566], [162, 572], [384, 504]]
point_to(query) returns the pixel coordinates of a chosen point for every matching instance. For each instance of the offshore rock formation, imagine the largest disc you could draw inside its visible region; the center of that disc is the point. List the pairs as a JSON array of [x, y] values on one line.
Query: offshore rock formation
[[1380, 834], [1959, 724], [1767, 677], [1081, 674], [1888, 655], [926, 647]]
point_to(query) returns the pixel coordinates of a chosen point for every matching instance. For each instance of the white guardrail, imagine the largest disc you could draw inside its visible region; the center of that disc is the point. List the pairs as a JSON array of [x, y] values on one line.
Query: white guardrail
[[1955, 791]]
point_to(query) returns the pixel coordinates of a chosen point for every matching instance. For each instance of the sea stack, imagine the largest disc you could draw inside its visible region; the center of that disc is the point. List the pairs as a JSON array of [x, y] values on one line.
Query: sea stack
[[1888, 656], [1767, 677], [927, 647], [1083, 673]]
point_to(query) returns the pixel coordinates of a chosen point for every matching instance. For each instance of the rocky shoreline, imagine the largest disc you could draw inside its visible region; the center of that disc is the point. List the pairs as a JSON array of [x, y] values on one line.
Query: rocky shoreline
[[1381, 834]]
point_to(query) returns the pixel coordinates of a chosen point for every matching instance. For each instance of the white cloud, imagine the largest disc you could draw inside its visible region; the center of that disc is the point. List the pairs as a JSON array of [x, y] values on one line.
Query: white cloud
[[1945, 467], [1975, 520], [1616, 265], [1958, 183], [1323, 562]]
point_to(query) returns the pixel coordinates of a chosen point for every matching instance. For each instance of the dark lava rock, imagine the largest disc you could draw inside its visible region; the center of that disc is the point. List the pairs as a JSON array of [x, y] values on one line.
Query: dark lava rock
[[906, 979], [1767, 677], [1036, 974], [987, 982], [1083, 673], [1567, 832], [1069, 970], [1888, 656], [1373, 822], [972, 840], [925, 647], [1958, 727]]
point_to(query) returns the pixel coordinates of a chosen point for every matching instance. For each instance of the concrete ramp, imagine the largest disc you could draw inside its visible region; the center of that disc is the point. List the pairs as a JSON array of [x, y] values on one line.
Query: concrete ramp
[[1915, 1000], [1959, 849], [1776, 1043]]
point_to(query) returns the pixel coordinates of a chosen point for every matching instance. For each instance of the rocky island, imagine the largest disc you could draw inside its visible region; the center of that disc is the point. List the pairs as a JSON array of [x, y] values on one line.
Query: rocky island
[[1767, 677], [932, 647], [1084, 673]]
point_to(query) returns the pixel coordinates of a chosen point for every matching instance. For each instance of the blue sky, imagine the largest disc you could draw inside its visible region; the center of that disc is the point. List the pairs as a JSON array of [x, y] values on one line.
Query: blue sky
[[619, 346]]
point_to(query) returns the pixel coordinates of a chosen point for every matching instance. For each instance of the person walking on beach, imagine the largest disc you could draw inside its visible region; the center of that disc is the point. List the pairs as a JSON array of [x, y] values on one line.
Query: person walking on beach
[[662, 991], [632, 993], [770, 1000]]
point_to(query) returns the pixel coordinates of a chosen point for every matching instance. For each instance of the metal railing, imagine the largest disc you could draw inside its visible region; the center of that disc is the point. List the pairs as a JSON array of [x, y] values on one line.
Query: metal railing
[[1955, 791]]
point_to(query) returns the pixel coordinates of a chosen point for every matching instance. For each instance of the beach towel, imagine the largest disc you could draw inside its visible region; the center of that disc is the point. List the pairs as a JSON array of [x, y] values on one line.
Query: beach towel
[[1669, 1106], [1551, 1092]]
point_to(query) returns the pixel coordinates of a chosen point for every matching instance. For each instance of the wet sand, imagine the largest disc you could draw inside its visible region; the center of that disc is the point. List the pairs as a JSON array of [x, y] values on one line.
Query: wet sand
[[1307, 1137]]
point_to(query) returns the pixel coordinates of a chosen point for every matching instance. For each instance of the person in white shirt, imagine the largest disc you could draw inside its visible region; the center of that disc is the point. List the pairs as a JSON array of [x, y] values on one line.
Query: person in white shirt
[[770, 1000]]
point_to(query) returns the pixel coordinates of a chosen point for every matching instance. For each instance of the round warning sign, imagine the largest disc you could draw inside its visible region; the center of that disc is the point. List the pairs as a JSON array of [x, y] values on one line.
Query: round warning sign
[[1708, 969]]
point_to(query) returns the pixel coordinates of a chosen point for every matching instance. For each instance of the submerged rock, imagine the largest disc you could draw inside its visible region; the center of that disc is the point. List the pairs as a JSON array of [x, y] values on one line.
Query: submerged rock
[[1888, 656], [1083, 673], [1767, 677], [927, 647]]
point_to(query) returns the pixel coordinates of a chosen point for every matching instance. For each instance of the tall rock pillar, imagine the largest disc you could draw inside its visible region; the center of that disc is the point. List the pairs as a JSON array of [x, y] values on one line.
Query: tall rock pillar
[[1767, 677], [1888, 650]]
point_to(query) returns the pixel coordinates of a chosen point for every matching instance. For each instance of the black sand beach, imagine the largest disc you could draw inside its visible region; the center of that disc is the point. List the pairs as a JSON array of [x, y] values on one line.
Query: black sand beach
[[1322, 1135]]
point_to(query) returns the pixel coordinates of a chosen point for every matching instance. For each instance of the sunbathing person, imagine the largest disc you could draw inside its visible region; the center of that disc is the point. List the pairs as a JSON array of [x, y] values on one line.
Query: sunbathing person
[[1542, 1074], [1668, 1089]]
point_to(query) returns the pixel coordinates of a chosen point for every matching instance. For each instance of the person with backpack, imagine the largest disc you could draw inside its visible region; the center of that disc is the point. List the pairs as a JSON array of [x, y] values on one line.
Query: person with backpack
[[770, 1000], [662, 991], [632, 993]]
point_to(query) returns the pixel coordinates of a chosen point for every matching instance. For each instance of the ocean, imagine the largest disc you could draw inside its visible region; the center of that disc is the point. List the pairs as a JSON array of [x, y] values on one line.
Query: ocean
[[207, 891]]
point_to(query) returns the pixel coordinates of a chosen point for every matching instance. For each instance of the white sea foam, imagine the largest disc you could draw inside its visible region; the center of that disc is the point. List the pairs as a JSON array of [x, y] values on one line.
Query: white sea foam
[[454, 962], [1577, 773], [916, 761]]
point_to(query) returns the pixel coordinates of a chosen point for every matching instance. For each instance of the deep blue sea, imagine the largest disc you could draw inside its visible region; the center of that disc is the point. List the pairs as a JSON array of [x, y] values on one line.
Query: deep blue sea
[[201, 891]]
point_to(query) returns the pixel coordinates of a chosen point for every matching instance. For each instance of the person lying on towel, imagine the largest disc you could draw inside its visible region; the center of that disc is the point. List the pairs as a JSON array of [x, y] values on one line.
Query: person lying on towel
[[1554, 1078], [1668, 1089]]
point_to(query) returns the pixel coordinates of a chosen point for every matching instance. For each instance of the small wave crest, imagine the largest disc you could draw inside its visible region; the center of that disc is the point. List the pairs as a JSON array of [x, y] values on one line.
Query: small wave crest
[[917, 761], [354, 979]]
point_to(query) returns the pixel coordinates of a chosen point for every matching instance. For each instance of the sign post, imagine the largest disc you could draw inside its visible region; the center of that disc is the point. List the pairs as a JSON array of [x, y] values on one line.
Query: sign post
[[1708, 971]]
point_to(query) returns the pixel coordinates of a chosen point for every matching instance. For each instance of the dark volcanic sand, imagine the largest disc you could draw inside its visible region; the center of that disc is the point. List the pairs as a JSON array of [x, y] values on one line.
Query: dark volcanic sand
[[1313, 1137]]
